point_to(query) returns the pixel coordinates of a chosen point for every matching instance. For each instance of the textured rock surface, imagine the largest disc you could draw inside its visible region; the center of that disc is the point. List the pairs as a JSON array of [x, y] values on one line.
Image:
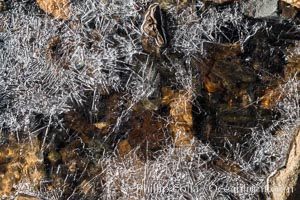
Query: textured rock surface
[[20, 163], [287, 10], [282, 183], [87, 111], [57, 8], [260, 8], [295, 3], [181, 116]]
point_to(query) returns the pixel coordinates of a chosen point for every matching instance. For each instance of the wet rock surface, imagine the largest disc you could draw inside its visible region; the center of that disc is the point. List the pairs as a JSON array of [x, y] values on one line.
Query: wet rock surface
[[104, 100]]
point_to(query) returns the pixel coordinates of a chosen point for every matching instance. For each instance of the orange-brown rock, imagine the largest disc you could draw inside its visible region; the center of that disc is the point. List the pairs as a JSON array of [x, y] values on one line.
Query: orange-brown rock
[[71, 159], [149, 46], [167, 95], [86, 187], [20, 161], [111, 114], [124, 147], [181, 115], [212, 84], [57, 8], [101, 125], [270, 98], [287, 10], [295, 3], [221, 69], [282, 183], [148, 132], [81, 125], [293, 64]]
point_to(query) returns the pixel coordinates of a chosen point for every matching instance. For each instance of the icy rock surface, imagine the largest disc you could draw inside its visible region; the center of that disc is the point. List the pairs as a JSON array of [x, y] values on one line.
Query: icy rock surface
[[260, 8], [87, 113]]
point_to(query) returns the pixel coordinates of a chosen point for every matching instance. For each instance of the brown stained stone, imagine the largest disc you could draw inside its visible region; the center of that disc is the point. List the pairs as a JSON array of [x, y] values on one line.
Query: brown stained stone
[[245, 98], [222, 51], [112, 110], [270, 98], [9, 177], [20, 161], [295, 3], [101, 125], [281, 183], [124, 147], [89, 186], [221, 69], [146, 104], [31, 161], [72, 160], [147, 133], [81, 125], [183, 4], [293, 64], [230, 87], [212, 84], [154, 36], [86, 187], [210, 64], [273, 95], [181, 116], [287, 10], [57, 8], [167, 95], [148, 44]]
